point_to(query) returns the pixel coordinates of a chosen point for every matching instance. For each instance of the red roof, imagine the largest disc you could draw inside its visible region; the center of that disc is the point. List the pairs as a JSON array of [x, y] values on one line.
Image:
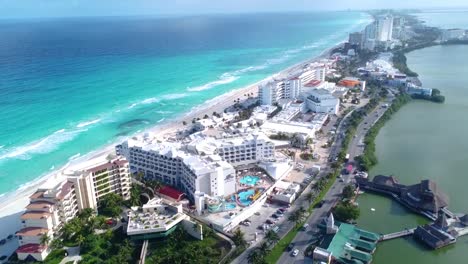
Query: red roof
[[31, 248], [313, 83], [171, 192]]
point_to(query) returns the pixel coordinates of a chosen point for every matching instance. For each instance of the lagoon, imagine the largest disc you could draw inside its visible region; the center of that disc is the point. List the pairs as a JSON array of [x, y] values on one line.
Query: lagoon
[[424, 140]]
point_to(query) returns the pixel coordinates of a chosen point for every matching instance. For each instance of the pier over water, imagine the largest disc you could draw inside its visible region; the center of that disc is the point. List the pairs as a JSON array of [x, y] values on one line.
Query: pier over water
[[424, 198]]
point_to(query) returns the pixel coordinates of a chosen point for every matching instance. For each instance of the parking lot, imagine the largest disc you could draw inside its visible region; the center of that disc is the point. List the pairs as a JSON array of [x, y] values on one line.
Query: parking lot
[[259, 219]]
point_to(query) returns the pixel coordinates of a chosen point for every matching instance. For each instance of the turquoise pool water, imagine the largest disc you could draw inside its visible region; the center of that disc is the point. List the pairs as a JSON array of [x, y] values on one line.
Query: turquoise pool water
[[244, 197], [229, 206], [249, 180]]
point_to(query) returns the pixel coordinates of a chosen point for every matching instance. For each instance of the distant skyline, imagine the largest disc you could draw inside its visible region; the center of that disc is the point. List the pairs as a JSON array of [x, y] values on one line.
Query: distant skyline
[[73, 8]]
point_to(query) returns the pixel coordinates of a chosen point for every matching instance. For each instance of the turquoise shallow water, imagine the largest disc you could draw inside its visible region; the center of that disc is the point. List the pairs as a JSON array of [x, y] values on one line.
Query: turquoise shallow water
[[70, 86]]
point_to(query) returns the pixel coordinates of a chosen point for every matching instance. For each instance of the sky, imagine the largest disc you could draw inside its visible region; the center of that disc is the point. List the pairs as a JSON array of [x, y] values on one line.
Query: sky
[[72, 8]]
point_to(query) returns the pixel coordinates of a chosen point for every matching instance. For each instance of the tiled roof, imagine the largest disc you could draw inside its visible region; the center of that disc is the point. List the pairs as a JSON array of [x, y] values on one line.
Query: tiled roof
[[39, 205], [171, 192], [37, 194], [35, 215], [32, 231], [31, 248]]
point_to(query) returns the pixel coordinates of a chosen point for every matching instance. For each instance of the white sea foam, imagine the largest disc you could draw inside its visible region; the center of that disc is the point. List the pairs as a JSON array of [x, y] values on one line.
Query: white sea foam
[[77, 155], [88, 123], [166, 97], [161, 112], [225, 78], [160, 120], [41, 146]]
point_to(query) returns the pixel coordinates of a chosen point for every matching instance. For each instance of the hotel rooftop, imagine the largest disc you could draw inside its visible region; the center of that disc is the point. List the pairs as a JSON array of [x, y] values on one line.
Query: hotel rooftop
[[154, 219]]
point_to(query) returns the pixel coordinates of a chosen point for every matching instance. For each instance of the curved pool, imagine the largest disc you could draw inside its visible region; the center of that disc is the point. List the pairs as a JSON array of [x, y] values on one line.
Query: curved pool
[[244, 197]]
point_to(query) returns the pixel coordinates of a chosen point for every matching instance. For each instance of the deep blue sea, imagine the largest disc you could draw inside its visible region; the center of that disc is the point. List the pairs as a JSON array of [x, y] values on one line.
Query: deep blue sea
[[70, 86]]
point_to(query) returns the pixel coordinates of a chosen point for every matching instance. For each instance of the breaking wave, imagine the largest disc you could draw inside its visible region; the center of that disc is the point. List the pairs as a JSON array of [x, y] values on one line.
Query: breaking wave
[[41, 146]]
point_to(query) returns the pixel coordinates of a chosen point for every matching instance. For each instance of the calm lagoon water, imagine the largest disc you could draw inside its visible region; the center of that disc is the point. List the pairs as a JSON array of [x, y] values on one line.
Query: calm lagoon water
[[424, 140]]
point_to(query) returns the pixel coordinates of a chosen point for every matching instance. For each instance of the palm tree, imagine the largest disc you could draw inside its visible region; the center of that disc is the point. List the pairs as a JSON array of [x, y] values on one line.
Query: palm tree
[[272, 237], [86, 213], [255, 257], [301, 212], [135, 192], [45, 239], [56, 244], [294, 217], [80, 239], [263, 249], [310, 197], [238, 238]]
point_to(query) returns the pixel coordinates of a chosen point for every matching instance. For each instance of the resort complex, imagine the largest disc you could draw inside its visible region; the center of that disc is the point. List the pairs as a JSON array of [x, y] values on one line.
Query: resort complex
[[279, 164]]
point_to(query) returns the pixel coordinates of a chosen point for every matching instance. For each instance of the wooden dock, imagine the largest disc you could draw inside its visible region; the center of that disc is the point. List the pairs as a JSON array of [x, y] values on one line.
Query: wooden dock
[[403, 233]]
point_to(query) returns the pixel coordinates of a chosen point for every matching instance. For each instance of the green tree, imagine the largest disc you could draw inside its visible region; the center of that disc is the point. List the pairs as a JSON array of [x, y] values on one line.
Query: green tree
[[310, 197], [263, 249], [239, 238], [348, 192], [56, 243], [272, 237], [110, 205], [45, 239], [346, 211], [135, 192]]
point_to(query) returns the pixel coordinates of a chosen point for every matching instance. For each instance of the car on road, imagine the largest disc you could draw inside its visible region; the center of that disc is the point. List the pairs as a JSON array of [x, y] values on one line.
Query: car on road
[[295, 252], [305, 226], [257, 213], [290, 246]]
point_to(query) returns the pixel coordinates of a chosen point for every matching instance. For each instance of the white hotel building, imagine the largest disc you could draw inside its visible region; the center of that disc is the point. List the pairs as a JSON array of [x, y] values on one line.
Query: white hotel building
[[274, 90], [322, 101], [204, 165], [79, 188]]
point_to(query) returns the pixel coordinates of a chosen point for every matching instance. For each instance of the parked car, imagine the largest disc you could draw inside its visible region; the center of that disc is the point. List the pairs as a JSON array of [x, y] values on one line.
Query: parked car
[[290, 246], [295, 252], [305, 226], [257, 213], [274, 216], [268, 221]]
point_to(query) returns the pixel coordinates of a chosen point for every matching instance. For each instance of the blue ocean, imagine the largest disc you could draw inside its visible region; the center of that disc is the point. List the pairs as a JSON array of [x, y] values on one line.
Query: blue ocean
[[70, 86]]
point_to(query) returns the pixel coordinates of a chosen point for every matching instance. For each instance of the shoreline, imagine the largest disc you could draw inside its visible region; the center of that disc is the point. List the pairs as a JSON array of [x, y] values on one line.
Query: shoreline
[[11, 203]]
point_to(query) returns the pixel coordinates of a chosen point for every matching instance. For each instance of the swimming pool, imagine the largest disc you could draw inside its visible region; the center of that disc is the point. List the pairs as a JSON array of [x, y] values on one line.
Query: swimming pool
[[249, 180], [244, 197], [229, 206]]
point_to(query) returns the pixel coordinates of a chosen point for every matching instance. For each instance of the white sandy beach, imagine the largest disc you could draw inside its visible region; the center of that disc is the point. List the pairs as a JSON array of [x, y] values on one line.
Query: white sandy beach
[[12, 204]]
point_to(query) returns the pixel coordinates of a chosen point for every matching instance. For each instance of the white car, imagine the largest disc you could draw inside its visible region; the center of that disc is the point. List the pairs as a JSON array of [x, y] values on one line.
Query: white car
[[295, 252]]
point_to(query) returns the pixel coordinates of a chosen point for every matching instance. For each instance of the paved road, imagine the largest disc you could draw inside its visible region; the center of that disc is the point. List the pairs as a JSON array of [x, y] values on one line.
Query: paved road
[[356, 146], [304, 238]]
